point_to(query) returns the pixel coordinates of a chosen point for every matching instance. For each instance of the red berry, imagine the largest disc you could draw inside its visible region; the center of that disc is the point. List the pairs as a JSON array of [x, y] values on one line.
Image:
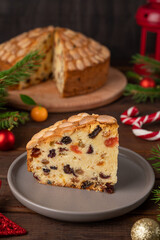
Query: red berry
[[147, 83]]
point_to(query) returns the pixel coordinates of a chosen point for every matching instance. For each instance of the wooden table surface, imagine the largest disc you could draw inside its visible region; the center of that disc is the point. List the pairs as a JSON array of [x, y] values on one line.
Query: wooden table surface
[[40, 227]]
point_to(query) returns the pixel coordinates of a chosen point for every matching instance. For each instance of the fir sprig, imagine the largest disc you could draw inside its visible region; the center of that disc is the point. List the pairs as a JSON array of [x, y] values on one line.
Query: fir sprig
[[140, 94], [10, 120], [155, 151], [156, 198], [19, 72], [148, 63]]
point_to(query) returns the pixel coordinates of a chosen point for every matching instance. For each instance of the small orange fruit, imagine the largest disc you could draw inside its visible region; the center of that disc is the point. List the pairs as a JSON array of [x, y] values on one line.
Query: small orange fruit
[[39, 114]]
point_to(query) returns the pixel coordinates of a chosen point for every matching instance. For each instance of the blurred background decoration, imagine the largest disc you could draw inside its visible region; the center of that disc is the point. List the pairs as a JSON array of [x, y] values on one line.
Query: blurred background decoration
[[112, 23]]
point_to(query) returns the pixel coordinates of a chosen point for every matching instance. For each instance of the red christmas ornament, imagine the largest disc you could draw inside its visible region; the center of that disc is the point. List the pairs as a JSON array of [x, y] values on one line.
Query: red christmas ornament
[[7, 140], [147, 83], [7, 227]]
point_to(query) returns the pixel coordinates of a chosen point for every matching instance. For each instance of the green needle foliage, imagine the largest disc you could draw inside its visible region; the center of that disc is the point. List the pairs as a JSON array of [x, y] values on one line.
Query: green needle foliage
[[19, 72], [10, 120], [155, 151], [140, 94], [149, 63]]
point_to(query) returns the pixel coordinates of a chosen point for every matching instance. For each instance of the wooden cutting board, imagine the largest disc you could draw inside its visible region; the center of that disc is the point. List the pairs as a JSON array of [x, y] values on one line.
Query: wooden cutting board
[[47, 95]]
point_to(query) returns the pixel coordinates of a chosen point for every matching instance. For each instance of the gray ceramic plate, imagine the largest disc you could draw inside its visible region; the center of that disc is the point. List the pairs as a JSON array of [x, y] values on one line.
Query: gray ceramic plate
[[135, 181]]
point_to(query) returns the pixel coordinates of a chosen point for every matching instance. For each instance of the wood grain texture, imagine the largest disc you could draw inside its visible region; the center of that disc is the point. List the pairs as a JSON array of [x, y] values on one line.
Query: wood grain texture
[[46, 94]]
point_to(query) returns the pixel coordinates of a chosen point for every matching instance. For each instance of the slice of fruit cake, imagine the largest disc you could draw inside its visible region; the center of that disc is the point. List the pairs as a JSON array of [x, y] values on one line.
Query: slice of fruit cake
[[81, 152]]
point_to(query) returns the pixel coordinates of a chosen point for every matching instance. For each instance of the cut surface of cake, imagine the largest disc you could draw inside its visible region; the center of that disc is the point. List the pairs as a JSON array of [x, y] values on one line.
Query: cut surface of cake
[[80, 152], [12, 51], [80, 64]]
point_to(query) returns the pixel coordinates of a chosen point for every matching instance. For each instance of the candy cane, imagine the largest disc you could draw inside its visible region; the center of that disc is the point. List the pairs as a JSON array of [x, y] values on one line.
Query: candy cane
[[137, 122]]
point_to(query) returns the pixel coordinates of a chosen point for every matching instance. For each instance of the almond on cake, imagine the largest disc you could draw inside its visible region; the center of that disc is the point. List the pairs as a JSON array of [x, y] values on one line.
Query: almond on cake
[[79, 152], [17, 48]]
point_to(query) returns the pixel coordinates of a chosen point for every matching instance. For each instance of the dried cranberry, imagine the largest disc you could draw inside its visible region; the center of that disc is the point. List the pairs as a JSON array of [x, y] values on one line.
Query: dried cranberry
[[86, 184], [62, 149], [66, 140], [53, 167], [102, 175], [90, 149], [95, 132], [46, 170], [52, 153], [68, 170], [35, 152], [110, 188]]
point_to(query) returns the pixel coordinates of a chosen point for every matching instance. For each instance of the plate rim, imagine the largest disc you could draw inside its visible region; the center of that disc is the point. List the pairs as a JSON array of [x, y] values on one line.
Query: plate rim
[[18, 195]]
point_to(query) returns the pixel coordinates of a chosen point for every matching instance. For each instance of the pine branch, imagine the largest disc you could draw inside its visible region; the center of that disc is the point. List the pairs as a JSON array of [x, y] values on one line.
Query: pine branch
[[141, 94], [9, 120], [155, 156], [19, 72], [155, 151], [133, 75], [148, 63]]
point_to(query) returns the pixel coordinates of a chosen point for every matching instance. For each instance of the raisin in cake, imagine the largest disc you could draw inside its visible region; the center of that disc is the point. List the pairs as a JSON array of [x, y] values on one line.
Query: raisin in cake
[[12, 51], [80, 152], [80, 64]]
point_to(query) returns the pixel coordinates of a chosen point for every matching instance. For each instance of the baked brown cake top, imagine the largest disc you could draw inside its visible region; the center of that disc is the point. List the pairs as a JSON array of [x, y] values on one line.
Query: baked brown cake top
[[16, 48], [69, 125], [80, 51]]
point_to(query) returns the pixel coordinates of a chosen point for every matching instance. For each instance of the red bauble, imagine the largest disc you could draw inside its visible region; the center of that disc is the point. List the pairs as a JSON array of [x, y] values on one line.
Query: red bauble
[[147, 83], [7, 140]]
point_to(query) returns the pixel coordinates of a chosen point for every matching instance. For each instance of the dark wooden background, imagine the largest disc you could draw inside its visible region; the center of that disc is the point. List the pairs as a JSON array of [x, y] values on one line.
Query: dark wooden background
[[111, 22]]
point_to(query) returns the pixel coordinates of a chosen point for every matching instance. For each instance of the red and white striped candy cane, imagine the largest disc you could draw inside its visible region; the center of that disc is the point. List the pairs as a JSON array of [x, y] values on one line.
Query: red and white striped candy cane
[[137, 122]]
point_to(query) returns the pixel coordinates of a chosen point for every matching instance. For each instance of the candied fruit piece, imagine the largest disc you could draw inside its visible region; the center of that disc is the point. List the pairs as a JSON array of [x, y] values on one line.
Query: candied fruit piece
[[95, 132], [46, 170], [86, 184], [52, 153], [62, 149], [111, 142], [75, 149], [49, 182], [102, 175], [79, 171], [53, 167], [90, 149], [66, 140], [110, 188], [35, 152], [45, 161], [68, 170]]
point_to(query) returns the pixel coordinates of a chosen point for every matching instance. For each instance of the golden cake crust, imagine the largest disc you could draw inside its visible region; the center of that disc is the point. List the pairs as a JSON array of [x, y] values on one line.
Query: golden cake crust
[[70, 125], [17, 48], [74, 122]]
